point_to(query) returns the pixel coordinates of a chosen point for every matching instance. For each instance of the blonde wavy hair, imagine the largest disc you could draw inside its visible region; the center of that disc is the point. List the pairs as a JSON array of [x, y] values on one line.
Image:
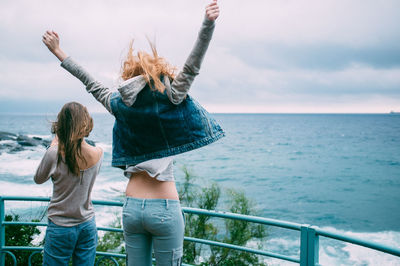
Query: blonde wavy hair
[[152, 67]]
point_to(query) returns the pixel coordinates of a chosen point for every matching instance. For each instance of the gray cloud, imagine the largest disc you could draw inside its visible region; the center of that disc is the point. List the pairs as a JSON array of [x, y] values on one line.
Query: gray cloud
[[326, 56], [269, 54]]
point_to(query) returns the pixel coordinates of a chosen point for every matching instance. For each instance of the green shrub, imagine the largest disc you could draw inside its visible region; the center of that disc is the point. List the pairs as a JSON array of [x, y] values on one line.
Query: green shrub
[[230, 231], [21, 235], [112, 242]]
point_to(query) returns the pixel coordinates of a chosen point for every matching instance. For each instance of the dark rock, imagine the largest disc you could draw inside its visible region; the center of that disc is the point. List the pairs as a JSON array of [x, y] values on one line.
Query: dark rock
[[90, 142], [10, 146], [16, 149], [22, 142], [46, 142], [7, 136], [27, 141]]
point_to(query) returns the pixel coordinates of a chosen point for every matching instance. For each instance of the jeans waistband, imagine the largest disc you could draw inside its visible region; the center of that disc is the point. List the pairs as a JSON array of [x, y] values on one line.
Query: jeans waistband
[[151, 202]]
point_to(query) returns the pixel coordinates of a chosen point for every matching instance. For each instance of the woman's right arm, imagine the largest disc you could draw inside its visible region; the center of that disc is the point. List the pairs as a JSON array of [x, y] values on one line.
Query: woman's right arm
[[48, 164], [100, 92]]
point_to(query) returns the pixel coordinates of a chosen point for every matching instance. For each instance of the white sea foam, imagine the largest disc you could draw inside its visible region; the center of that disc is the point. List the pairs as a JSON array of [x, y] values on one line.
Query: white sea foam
[[25, 162], [49, 137], [333, 252], [106, 147], [28, 189], [350, 254], [21, 163], [7, 141], [114, 189]]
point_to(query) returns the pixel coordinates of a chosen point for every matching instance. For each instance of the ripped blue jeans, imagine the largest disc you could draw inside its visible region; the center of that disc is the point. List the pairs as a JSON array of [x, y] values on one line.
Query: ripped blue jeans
[[153, 223]]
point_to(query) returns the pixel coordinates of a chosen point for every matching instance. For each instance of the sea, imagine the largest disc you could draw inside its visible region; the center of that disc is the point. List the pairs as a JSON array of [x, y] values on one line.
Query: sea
[[340, 172]]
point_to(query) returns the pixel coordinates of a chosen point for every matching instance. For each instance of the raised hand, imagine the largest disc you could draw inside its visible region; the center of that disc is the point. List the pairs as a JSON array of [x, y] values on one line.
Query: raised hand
[[52, 41], [212, 10]]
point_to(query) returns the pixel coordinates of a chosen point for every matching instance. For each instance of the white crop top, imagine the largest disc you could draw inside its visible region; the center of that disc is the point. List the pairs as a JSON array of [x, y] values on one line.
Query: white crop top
[[160, 169]]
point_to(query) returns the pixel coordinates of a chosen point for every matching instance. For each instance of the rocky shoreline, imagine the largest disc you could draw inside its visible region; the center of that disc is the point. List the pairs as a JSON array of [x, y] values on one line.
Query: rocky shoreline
[[13, 143]]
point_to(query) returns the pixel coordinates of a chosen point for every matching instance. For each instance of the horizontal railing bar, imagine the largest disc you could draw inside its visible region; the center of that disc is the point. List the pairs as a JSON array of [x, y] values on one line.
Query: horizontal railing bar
[[240, 248], [95, 202], [20, 198], [247, 218], [358, 241], [99, 253], [25, 223], [108, 203], [110, 229], [108, 254], [21, 248], [220, 214]]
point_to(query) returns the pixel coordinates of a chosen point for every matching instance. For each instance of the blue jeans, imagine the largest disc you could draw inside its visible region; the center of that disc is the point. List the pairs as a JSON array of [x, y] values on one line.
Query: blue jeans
[[78, 241], [153, 223]]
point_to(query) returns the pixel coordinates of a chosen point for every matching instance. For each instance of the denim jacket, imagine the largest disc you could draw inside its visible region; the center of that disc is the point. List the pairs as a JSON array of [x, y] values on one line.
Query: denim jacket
[[150, 124]]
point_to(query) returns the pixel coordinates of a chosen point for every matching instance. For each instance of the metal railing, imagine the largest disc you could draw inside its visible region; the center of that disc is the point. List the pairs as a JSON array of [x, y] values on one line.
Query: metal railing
[[309, 235]]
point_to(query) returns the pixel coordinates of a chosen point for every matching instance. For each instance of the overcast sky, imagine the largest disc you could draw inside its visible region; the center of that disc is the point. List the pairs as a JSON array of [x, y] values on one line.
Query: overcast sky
[[275, 56]]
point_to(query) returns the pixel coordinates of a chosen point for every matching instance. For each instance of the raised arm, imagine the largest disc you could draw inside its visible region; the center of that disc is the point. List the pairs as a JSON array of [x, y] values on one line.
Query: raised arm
[[181, 84], [97, 89]]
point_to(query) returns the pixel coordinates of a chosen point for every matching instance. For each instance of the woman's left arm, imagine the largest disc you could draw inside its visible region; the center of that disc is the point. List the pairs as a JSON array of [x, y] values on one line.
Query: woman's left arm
[[181, 84]]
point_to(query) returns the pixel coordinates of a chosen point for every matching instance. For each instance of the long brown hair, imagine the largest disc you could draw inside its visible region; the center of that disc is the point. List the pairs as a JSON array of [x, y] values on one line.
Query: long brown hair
[[152, 67], [72, 125]]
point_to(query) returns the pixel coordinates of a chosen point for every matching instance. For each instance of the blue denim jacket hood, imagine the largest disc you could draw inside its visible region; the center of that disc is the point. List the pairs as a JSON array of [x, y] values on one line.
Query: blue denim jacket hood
[[149, 126]]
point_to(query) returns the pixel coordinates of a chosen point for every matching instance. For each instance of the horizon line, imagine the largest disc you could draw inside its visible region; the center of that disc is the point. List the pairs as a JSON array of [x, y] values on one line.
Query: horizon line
[[234, 113]]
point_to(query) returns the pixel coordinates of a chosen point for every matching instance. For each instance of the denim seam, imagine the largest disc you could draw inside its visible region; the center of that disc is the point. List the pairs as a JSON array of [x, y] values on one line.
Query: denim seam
[[160, 124]]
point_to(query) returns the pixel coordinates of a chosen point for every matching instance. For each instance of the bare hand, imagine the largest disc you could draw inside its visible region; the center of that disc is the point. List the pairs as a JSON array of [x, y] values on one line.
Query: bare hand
[[212, 10], [52, 41]]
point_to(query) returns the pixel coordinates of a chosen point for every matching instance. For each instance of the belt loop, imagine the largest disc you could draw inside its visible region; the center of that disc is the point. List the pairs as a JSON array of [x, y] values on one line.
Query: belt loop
[[166, 203], [143, 203]]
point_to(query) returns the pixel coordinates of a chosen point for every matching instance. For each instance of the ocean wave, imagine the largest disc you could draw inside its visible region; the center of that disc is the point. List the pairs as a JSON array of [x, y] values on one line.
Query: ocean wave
[[21, 163], [358, 255], [334, 252], [48, 137], [24, 162], [29, 189], [107, 148]]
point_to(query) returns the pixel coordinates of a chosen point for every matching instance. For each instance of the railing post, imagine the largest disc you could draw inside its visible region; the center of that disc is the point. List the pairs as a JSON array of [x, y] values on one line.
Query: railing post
[[313, 247], [304, 244], [2, 231], [309, 246]]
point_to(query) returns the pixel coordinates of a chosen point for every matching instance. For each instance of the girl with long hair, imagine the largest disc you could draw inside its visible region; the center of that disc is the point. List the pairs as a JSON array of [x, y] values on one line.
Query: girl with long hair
[[155, 118], [72, 164]]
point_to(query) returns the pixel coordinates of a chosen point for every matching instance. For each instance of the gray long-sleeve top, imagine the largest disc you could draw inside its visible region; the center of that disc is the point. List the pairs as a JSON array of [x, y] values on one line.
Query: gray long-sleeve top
[[129, 89], [70, 203]]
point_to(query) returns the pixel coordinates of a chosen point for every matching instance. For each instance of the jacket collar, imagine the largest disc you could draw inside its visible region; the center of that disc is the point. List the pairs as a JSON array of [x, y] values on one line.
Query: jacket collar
[[130, 88]]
